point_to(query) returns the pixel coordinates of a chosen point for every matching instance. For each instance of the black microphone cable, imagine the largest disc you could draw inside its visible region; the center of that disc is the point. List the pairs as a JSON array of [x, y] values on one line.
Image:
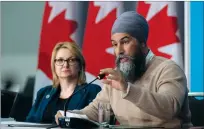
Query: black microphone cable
[[99, 77]]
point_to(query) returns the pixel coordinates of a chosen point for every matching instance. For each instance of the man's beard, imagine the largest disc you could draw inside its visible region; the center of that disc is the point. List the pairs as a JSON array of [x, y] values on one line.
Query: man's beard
[[134, 68]]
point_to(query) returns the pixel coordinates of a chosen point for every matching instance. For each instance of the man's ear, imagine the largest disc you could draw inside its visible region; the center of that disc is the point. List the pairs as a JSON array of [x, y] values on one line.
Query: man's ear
[[144, 47]]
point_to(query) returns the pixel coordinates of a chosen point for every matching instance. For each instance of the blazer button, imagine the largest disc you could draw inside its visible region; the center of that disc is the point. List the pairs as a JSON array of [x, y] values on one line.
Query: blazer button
[[47, 96]]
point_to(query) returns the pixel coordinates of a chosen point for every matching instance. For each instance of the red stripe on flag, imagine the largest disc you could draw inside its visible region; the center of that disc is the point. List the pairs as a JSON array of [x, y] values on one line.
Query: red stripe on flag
[[162, 28], [97, 40]]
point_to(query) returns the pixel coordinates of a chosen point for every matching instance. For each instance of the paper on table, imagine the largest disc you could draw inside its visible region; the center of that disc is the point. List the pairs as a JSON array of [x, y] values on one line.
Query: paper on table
[[20, 123], [15, 124], [69, 114], [7, 119]]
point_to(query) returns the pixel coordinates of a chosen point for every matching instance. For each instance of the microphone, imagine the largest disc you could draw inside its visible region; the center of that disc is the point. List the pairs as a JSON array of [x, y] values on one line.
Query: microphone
[[99, 77]]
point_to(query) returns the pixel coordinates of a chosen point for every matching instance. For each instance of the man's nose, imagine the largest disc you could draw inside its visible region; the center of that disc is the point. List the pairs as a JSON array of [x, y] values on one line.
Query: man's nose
[[120, 49]]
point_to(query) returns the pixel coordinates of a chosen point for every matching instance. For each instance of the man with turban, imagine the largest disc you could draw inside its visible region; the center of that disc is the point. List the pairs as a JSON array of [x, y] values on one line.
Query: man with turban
[[143, 89]]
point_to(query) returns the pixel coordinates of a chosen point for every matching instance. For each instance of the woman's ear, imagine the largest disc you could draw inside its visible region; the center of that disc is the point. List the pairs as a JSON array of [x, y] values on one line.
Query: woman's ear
[[80, 68], [143, 45]]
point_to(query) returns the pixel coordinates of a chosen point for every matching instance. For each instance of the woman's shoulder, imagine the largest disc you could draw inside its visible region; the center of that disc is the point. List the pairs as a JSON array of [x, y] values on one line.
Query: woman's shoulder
[[44, 89]]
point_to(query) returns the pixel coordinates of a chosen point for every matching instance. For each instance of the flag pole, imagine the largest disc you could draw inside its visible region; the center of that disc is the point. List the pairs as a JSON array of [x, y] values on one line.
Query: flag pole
[[187, 57]]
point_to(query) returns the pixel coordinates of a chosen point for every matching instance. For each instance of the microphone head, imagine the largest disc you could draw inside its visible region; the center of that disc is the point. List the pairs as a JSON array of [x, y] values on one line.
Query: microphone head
[[101, 76]]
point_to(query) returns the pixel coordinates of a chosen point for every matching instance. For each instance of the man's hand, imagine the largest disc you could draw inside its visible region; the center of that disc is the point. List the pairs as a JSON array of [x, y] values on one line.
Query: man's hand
[[57, 116], [115, 79]]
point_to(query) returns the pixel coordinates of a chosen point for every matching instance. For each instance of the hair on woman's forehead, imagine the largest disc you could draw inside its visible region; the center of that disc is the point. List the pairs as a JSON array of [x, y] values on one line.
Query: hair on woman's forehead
[[65, 53]]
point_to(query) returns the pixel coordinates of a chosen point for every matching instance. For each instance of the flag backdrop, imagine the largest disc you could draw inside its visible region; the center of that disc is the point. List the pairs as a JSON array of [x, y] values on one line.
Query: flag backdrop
[[164, 36], [62, 22]]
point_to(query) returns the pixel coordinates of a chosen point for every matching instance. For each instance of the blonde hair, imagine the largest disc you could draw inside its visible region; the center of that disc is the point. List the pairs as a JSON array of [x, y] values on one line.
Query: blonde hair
[[74, 48]]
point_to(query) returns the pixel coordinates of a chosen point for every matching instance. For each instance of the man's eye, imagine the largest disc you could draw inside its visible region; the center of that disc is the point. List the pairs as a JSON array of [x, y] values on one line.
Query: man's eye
[[125, 41], [114, 44]]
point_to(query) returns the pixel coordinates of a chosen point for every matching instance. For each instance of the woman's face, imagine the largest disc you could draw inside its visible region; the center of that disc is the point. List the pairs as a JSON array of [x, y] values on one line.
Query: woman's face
[[66, 64]]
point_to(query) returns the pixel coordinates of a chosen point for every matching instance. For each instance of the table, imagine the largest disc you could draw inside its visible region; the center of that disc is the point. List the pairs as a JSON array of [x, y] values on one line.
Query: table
[[4, 125]]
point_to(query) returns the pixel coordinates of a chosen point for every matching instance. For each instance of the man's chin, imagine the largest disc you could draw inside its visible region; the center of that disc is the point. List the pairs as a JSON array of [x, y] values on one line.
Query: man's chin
[[126, 68]]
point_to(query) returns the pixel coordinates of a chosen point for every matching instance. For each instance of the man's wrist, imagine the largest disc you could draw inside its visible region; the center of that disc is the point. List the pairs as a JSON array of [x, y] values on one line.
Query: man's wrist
[[125, 87]]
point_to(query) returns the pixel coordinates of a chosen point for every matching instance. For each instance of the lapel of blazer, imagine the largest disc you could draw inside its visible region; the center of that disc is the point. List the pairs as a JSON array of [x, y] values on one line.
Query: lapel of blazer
[[45, 100], [77, 98]]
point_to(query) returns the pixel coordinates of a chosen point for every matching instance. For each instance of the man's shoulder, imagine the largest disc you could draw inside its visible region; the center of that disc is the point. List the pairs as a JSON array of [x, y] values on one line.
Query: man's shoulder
[[159, 64], [161, 59], [163, 62]]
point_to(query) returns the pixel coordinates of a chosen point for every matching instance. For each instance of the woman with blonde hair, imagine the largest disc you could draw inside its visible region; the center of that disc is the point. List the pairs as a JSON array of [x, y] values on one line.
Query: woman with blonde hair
[[67, 92]]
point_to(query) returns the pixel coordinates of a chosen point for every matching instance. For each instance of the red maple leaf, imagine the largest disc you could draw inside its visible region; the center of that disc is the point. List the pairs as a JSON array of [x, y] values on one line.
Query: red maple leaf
[[162, 29], [97, 40], [57, 30]]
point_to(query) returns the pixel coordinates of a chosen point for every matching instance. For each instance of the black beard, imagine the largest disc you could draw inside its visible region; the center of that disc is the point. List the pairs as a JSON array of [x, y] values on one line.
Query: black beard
[[134, 68]]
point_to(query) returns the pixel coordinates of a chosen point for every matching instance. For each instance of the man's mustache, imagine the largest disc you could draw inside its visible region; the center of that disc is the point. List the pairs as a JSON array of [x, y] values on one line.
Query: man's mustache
[[119, 57]]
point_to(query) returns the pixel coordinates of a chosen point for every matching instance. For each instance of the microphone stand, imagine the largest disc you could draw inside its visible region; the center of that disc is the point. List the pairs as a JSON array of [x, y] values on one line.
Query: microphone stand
[[100, 76]]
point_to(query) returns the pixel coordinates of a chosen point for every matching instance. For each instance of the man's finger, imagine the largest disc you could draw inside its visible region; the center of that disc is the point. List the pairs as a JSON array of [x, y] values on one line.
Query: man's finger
[[111, 77], [57, 116], [56, 119], [107, 71], [105, 81]]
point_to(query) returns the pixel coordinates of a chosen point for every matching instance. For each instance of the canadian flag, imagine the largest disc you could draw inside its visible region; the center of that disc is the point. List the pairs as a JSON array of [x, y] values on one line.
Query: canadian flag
[[60, 23], [164, 38], [97, 48]]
